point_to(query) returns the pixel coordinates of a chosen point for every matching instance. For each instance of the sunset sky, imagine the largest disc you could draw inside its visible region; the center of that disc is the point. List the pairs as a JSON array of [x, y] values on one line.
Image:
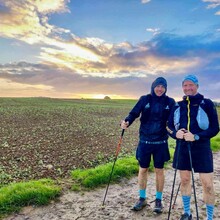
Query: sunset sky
[[94, 48]]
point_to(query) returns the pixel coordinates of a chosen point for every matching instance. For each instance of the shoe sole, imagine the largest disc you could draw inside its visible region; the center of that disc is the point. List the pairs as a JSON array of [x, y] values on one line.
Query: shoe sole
[[138, 209], [158, 211]]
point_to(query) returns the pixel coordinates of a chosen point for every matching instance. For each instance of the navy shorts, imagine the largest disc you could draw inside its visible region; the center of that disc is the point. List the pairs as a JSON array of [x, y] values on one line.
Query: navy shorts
[[202, 157], [160, 153]]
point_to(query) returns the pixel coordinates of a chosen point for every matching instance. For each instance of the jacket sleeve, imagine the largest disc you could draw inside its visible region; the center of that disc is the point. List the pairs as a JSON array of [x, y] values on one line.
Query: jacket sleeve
[[213, 128], [172, 104], [171, 128], [136, 111]]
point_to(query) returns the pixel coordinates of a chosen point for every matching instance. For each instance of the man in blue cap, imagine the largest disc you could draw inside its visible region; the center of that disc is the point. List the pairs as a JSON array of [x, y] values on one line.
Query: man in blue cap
[[154, 109], [193, 122]]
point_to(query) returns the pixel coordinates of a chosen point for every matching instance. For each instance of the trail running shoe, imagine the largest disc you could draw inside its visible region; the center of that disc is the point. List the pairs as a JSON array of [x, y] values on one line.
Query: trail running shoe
[[186, 216], [158, 208], [140, 204]]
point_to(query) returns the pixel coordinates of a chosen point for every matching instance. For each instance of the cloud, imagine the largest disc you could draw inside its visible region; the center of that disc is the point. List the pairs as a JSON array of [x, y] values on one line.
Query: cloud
[[145, 1], [73, 65], [27, 20], [95, 58], [153, 30], [213, 4]]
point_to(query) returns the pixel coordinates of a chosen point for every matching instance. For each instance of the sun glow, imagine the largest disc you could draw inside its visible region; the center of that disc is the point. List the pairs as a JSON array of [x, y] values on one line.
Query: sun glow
[[102, 96]]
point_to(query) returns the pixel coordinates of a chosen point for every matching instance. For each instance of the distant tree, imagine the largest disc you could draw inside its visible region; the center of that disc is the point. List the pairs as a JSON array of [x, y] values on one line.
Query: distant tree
[[107, 98]]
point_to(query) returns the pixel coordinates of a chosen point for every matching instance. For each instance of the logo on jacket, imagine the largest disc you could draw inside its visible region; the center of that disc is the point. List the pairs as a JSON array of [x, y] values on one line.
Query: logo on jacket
[[167, 107], [147, 106]]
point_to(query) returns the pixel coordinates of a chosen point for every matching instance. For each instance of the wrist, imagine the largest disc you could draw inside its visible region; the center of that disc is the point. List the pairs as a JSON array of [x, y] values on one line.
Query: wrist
[[196, 137]]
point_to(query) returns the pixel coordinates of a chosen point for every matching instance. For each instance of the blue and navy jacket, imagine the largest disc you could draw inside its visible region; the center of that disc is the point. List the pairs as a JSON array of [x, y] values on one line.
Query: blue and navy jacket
[[154, 113], [196, 113]]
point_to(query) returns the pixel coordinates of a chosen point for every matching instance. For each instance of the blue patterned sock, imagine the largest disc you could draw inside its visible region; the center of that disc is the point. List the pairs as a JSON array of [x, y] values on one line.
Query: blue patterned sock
[[186, 204], [142, 193], [209, 211], [159, 195]]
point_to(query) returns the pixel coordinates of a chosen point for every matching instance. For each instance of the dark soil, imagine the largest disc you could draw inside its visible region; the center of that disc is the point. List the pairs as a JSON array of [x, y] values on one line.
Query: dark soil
[[48, 138]]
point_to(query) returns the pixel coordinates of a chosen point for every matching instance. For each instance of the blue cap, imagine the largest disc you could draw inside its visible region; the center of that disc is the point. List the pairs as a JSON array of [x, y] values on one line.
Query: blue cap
[[191, 78]]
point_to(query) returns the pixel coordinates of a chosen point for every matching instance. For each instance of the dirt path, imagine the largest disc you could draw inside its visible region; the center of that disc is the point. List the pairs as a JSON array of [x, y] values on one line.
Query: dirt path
[[120, 199]]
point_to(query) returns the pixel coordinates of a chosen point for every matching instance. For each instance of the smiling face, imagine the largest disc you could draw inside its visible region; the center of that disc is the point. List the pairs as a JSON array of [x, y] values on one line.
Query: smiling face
[[159, 90], [189, 88]]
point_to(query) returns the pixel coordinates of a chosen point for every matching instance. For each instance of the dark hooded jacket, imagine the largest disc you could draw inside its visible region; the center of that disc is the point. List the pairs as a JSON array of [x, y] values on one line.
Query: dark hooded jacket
[[154, 111], [197, 114]]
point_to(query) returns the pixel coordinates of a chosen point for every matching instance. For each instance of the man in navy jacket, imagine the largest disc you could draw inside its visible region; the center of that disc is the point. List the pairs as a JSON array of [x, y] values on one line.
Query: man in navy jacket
[[194, 121], [154, 109]]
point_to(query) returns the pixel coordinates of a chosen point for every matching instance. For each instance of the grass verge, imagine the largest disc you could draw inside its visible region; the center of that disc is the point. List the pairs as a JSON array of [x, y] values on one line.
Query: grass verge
[[98, 176], [17, 195], [124, 167], [91, 178]]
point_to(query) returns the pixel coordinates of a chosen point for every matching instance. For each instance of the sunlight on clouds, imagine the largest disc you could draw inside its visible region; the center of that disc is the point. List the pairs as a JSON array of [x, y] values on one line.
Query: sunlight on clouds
[[119, 63], [12, 89], [67, 58], [48, 6], [67, 54], [165, 65], [77, 51], [50, 58], [27, 20], [21, 22]]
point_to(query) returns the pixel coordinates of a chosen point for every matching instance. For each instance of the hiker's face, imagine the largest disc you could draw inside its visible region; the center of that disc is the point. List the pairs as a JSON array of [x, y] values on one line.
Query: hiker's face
[[159, 90], [189, 88]]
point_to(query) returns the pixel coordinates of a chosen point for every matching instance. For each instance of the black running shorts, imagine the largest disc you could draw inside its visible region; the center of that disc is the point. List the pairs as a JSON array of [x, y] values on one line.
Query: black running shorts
[[201, 153], [160, 153]]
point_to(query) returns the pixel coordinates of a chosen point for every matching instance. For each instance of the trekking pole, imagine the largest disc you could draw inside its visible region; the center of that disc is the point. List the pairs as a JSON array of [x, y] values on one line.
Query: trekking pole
[[193, 181], [116, 156], [190, 156], [174, 178], [174, 202]]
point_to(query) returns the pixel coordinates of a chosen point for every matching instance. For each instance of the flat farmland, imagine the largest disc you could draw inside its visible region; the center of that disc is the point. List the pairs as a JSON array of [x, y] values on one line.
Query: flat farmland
[[44, 137]]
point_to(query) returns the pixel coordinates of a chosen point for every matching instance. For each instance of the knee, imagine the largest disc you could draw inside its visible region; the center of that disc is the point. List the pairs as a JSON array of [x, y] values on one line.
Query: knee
[[185, 180], [143, 170], [159, 171], [208, 189]]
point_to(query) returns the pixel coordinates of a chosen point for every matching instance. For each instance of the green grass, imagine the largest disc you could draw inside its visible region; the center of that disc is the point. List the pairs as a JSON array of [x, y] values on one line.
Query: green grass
[[215, 143], [99, 176], [124, 167], [94, 177], [17, 195]]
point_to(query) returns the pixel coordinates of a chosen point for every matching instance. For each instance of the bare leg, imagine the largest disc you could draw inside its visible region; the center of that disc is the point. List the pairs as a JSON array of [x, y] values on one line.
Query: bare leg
[[159, 179], [208, 187], [185, 177], [208, 193], [142, 183], [142, 178]]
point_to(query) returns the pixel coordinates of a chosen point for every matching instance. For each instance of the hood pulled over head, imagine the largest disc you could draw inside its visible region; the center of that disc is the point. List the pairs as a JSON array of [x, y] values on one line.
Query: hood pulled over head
[[159, 81]]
